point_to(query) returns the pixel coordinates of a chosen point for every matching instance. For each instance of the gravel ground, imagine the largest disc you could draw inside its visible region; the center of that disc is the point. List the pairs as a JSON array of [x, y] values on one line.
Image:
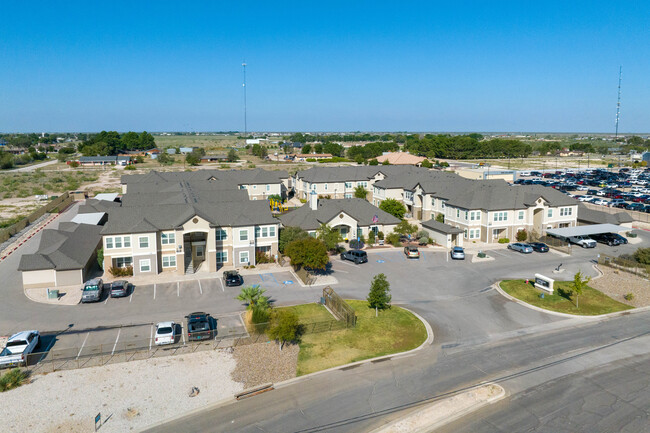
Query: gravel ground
[[264, 362], [133, 394], [615, 284]]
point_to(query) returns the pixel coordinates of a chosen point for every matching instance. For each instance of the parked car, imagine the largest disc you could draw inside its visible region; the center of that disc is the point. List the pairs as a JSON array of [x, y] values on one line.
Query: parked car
[[355, 256], [458, 253], [412, 252], [232, 278], [18, 347], [540, 247], [622, 239], [583, 241], [606, 238], [600, 201], [521, 247], [92, 290], [635, 206], [200, 326], [120, 288], [165, 333]]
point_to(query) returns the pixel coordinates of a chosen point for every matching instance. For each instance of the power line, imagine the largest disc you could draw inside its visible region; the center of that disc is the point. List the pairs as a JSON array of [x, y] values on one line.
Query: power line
[[244, 85], [618, 103]]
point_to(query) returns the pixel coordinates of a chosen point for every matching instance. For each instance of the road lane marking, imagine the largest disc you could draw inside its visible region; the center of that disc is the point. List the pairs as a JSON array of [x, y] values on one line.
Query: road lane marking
[[200, 288], [106, 300], [221, 282], [151, 337], [154, 291], [82, 346], [131, 297], [118, 337], [183, 335], [178, 288]]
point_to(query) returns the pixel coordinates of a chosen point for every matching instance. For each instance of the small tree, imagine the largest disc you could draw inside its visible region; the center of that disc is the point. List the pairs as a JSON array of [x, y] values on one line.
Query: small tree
[[253, 297], [427, 164], [373, 162], [164, 158], [579, 285], [440, 218], [232, 155], [290, 234], [306, 148], [309, 252], [193, 158], [360, 192], [371, 237], [330, 236], [522, 235], [100, 258], [642, 255], [379, 296], [393, 207], [404, 228], [285, 326]]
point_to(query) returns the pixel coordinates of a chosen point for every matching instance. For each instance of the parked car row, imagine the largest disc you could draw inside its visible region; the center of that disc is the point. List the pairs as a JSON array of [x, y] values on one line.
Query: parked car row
[[94, 289], [200, 326]]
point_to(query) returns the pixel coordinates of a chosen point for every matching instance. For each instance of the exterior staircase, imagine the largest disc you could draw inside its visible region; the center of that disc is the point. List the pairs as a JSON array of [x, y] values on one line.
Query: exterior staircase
[[189, 263]]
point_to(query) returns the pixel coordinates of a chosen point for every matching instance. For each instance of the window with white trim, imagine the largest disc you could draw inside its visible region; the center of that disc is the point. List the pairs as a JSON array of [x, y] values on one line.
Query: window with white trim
[[363, 184], [408, 195], [347, 195], [474, 233], [254, 186], [466, 213], [221, 234], [169, 261], [566, 211], [500, 216], [465, 234], [222, 256], [348, 184], [313, 187], [550, 213], [272, 231], [268, 187], [145, 265], [457, 213], [521, 215], [243, 235], [325, 187], [123, 262], [433, 201], [109, 243], [442, 204], [243, 257], [143, 241], [168, 238], [475, 215]]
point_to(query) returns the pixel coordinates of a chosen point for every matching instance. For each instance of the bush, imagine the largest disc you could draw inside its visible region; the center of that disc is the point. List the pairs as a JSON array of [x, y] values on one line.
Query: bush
[[629, 296], [380, 235], [504, 241], [130, 167], [74, 164], [371, 237], [440, 218], [12, 379], [642, 255], [121, 272], [261, 257], [522, 235], [393, 239]]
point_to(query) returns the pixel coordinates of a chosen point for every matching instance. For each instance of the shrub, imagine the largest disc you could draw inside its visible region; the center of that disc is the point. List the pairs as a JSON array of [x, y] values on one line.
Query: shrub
[[371, 237], [440, 218], [261, 257], [130, 167], [642, 255], [504, 241], [12, 379], [121, 272], [74, 164], [380, 235], [393, 239], [629, 296], [522, 235]]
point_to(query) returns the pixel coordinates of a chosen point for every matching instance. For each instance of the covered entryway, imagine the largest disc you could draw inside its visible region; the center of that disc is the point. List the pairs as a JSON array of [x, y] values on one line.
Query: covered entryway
[[444, 234], [346, 231], [195, 248]]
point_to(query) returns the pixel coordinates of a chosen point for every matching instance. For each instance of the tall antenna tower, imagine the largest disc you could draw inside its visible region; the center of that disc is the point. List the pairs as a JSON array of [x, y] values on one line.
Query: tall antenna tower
[[618, 103], [244, 85]]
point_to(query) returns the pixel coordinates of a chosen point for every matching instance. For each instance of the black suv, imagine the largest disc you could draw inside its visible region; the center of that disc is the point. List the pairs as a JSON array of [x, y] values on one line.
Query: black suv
[[232, 278], [606, 238], [200, 326], [356, 256]]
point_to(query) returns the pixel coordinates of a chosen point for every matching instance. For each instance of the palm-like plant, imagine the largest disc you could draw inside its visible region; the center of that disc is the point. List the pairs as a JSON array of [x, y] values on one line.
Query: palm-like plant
[[254, 297]]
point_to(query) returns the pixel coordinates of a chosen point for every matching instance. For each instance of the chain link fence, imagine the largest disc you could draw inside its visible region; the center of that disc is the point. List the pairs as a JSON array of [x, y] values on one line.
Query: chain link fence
[[625, 264]]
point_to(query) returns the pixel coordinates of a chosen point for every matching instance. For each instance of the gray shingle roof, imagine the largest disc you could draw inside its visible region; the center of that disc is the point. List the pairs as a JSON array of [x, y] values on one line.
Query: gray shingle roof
[[357, 173], [227, 177], [359, 209], [66, 248], [593, 216], [441, 227], [187, 194]]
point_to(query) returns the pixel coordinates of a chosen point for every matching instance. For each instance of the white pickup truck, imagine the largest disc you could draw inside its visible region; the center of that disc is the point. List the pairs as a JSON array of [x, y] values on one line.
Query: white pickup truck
[[583, 241], [19, 346]]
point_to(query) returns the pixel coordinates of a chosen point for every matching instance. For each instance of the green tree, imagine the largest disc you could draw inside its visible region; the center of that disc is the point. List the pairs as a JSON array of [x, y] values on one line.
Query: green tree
[[642, 255], [379, 296], [306, 148], [579, 284], [522, 235], [232, 155], [131, 141], [371, 237], [164, 158], [373, 162], [147, 141], [193, 158], [100, 258], [330, 236], [405, 228], [393, 207], [285, 326], [309, 252], [385, 162], [440, 218], [253, 297], [290, 234], [360, 192], [318, 148], [427, 164]]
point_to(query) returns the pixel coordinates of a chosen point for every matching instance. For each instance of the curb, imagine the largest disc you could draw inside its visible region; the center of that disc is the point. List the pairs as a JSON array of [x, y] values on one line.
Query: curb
[[231, 400], [566, 315]]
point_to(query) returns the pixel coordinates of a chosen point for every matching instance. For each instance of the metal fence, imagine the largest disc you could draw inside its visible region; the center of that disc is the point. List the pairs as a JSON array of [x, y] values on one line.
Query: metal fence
[[636, 215], [625, 264], [337, 305]]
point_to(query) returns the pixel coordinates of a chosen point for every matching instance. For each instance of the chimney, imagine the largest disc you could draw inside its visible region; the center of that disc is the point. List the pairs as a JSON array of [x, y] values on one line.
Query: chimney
[[313, 200]]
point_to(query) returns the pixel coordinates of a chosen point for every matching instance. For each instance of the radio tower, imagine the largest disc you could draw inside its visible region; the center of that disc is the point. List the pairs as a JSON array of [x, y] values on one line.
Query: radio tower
[[618, 103], [244, 85]]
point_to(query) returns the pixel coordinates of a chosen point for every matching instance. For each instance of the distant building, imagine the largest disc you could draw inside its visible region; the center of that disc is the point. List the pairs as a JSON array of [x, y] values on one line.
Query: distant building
[[645, 156], [305, 156], [214, 158], [105, 160]]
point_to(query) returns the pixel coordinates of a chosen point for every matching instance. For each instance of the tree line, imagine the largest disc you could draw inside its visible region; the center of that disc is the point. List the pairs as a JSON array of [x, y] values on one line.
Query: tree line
[[111, 142], [465, 147]]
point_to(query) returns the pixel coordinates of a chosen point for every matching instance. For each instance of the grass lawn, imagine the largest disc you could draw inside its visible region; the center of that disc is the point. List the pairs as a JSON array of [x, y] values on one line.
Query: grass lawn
[[395, 330], [591, 302]]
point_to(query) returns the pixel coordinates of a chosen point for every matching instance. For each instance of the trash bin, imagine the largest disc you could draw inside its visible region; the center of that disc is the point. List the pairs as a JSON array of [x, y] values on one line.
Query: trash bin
[[52, 293]]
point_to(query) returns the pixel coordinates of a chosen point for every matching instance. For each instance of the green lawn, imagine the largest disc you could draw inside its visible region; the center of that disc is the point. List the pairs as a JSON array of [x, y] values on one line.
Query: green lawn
[[591, 302], [395, 330]]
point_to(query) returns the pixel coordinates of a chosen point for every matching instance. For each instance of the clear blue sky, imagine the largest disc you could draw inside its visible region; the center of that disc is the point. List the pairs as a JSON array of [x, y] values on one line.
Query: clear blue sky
[[334, 66]]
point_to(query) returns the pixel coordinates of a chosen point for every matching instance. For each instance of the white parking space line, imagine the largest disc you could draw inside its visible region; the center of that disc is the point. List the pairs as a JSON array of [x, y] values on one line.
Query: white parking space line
[[117, 338], [178, 288], [200, 288], [131, 297], [82, 345], [499, 253], [348, 264], [106, 300], [151, 337], [154, 291], [221, 282], [183, 335]]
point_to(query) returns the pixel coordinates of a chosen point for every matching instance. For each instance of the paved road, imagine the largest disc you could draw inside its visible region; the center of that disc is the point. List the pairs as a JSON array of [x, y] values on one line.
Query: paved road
[[362, 398], [34, 167]]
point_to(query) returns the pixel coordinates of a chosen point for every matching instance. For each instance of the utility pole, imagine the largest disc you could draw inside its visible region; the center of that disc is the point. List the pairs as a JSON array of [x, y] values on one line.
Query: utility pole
[[618, 103], [244, 86]]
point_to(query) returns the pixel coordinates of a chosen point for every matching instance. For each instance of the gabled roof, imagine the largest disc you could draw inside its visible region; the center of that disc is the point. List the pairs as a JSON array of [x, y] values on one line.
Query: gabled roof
[[593, 216], [441, 227], [327, 210], [68, 247], [231, 178]]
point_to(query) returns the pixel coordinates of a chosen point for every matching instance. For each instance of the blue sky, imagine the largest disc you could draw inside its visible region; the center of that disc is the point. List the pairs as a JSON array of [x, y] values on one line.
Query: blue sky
[[334, 66]]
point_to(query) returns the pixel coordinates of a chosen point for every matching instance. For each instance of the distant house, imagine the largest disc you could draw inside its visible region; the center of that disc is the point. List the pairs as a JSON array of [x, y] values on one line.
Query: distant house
[[645, 156], [214, 158], [304, 156], [401, 158], [105, 160]]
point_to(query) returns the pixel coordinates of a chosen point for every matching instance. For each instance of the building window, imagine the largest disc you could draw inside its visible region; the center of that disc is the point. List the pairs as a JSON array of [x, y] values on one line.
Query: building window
[[566, 211], [268, 187], [442, 204], [243, 235], [466, 215], [222, 256], [363, 184], [221, 235], [521, 215], [123, 262], [325, 187], [109, 243], [168, 261], [243, 257], [550, 213], [475, 215], [457, 213], [433, 201], [144, 241], [127, 241], [118, 242], [313, 187], [254, 186], [465, 233], [347, 195], [265, 232], [500, 216], [257, 232], [272, 231], [474, 233], [168, 238], [145, 265], [242, 186], [348, 184]]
